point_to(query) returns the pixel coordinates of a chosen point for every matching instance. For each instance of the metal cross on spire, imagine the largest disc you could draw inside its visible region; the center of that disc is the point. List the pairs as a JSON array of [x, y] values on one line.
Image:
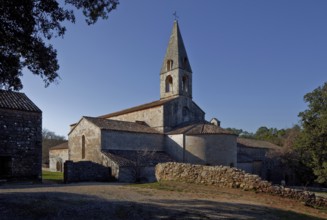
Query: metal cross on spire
[[175, 15]]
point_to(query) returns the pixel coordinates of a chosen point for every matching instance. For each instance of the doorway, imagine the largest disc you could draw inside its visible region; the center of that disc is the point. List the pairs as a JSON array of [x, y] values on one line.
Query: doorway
[[5, 166]]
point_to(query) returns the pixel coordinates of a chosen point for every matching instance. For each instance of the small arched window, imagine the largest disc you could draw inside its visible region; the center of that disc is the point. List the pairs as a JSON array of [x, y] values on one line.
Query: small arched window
[[83, 147], [169, 65], [185, 83], [169, 83]]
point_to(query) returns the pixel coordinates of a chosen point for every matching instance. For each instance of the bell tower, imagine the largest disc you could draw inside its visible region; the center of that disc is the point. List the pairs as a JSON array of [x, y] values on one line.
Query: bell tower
[[176, 72]]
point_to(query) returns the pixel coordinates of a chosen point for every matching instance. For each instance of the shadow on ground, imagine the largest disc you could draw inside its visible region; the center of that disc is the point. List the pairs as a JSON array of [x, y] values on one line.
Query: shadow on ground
[[60, 205]]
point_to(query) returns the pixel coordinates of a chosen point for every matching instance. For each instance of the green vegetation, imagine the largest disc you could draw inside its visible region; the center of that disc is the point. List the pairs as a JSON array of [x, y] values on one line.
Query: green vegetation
[[52, 176], [49, 139], [279, 137], [26, 29], [303, 147], [313, 138]]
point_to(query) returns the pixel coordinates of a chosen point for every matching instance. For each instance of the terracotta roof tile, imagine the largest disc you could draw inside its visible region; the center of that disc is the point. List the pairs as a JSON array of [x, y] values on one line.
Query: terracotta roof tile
[[60, 146], [200, 128], [115, 125], [246, 142], [17, 101], [127, 158]]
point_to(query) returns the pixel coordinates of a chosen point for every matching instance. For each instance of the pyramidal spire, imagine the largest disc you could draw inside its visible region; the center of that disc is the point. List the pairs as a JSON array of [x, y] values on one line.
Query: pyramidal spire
[[176, 56]]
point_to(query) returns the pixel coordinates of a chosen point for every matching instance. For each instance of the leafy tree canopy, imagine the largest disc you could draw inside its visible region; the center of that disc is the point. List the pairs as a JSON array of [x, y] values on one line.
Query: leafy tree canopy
[[26, 26], [313, 139]]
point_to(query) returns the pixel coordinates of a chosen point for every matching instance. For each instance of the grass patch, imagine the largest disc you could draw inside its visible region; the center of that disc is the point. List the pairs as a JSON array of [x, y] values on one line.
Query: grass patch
[[57, 177]]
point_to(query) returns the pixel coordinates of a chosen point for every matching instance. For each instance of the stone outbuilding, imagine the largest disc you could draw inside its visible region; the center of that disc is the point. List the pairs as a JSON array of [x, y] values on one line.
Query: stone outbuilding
[[58, 155], [256, 157], [172, 128], [20, 137]]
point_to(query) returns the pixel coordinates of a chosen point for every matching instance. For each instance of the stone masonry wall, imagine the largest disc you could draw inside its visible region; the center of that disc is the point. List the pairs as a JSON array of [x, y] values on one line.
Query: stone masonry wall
[[85, 171], [153, 117], [223, 176], [57, 155], [120, 140], [92, 136], [21, 141]]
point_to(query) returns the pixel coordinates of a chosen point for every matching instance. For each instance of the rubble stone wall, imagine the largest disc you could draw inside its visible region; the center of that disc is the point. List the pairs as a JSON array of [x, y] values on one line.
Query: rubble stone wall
[[223, 176], [85, 171]]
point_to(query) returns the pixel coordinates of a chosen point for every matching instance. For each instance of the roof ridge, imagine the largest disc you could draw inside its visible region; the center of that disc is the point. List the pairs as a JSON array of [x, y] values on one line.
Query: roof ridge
[[138, 107], [17, 100]]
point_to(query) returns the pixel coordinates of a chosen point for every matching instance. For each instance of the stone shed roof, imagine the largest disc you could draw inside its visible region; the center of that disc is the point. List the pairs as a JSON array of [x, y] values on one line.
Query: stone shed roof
[[17, 101], [127, 158], [115, 125], [60, 146], [200, 128], [246, 142]]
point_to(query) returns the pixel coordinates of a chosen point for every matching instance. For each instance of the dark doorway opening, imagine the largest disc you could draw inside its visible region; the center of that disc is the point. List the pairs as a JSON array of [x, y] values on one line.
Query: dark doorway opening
[[5, 166], [59, 166]]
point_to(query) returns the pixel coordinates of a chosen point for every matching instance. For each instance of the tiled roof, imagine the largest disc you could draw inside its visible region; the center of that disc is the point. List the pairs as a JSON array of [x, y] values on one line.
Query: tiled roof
[[60, 146], [138, 108], [115, 125], [245, 142], [127, 158], [17, 101], [200, 128]]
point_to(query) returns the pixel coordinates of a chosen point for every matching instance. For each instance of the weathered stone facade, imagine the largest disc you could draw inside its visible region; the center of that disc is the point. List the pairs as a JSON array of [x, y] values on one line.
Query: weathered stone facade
[[162, 115], [58, 155], [121, 140], [175, 125], [217, 149], [149, 116], [209, 149], [88, 136], [181, 111], [255, 156], [102, 137], [20, 138], [228, 177]]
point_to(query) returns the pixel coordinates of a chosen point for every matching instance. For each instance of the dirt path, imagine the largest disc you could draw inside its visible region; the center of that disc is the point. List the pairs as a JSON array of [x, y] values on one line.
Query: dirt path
[[119, 201]]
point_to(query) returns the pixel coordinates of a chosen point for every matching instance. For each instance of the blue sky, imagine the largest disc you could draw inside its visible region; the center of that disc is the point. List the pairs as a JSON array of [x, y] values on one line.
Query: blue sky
[[252, 60]]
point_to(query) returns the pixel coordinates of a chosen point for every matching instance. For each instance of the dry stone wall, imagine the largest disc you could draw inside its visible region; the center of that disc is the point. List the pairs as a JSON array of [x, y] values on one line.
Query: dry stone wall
[[85, 171], [223, 176]]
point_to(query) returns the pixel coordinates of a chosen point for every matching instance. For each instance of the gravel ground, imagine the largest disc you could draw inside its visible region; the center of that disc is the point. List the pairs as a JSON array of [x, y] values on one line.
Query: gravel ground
[[122, 201]]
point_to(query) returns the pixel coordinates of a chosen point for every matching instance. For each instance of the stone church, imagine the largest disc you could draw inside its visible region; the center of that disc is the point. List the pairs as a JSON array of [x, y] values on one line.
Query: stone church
[[132, 141]]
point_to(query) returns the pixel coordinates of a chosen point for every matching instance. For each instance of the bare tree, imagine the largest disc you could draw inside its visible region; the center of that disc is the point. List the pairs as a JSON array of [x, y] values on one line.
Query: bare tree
[[49, 139]]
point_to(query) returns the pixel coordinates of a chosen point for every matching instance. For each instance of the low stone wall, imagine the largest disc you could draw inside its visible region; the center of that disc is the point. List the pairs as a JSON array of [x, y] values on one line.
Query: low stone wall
[[232, 178], [85, 171]]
